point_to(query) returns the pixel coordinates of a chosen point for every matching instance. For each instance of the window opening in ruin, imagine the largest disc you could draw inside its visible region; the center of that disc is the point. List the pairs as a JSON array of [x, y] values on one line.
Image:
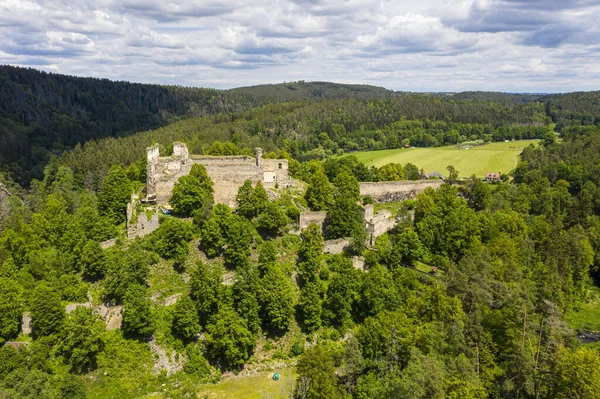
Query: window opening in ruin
[[280, 165]]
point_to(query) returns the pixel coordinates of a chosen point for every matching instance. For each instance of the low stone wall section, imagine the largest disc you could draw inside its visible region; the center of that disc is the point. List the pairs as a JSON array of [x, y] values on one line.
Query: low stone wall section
[[335, 247], [307, 218], [390, 191]]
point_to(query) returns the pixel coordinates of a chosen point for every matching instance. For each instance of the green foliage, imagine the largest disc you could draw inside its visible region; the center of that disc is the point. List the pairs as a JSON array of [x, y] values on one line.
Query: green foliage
[[125, 267], [94, 261], [192, 192], [344, 219], [196, 364], [137, 312], [311, 305], [347, 187], [186, 323], [245, 206], [47, 313], [319, 194], [577, 374], [391, 172], [272, 220], [245, 295], [276, 298], [239, 238], [81, 340], [11, 308], [171, 239], [407, 250], [229, 340], [207, 290], [114, 195], [317, 379], [342, 293]]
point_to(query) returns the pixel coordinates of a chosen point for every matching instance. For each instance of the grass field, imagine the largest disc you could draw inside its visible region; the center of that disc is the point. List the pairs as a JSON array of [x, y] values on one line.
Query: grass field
[[492, 157], [257, 386]]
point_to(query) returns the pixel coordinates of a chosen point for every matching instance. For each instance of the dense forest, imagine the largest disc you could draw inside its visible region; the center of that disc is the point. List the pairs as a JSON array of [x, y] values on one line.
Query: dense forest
[[472, 295], [479, 291], [42, 115]]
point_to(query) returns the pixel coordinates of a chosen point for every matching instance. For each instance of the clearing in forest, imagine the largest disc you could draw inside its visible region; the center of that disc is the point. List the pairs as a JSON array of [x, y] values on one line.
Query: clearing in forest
[[467, 159]]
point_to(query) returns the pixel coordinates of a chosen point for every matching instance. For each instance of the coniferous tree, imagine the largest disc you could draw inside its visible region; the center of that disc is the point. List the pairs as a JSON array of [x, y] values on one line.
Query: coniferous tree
[[207, 290], [186, 323], [245, 206], [245, 294], [137, 312], [276, 299], [11, 308], [47, 312], [114, 195]]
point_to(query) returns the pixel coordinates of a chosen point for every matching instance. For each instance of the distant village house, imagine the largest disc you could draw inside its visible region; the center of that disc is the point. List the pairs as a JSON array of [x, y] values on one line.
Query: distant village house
[[492, 176]]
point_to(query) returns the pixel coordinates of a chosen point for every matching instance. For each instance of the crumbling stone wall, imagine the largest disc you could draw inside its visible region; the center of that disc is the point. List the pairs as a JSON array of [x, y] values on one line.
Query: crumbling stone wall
[[380, 224], [138, 225], [390, 191], [337, 246], [228, 173], [309, 217]]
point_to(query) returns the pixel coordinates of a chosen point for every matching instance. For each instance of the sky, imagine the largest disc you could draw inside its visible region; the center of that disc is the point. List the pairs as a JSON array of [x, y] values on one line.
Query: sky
[[409, 45]]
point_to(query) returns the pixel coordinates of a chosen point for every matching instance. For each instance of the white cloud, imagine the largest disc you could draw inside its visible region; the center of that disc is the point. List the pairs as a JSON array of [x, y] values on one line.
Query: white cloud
[[433, 45]]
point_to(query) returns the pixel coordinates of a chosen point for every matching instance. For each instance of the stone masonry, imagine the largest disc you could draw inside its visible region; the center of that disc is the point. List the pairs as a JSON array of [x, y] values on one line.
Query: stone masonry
[[139, 224], [228, 173], [391, 191]]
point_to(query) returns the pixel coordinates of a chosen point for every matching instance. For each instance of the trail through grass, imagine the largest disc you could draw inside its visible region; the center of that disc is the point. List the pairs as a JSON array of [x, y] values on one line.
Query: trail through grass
[[477, 160]]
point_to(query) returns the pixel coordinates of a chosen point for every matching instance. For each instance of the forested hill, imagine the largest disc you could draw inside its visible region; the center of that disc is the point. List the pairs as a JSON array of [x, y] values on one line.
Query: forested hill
[[44, 114], [299, 91]]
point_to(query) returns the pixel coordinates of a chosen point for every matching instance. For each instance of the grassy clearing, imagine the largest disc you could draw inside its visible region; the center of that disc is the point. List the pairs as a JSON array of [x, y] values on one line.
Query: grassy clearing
[[493, 157], [256, 386], [393, 207], [587, 317]]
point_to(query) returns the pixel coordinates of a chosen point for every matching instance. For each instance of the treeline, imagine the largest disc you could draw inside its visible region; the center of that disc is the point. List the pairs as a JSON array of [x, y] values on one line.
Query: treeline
[[315, 130], [43, 114]]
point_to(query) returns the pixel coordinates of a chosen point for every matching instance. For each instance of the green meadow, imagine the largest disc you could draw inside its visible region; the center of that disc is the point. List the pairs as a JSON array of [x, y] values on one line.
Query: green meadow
[[477, 160]]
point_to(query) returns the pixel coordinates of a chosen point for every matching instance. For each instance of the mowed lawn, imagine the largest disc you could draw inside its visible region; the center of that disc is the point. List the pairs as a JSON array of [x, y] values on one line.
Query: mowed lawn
[[477, 160]]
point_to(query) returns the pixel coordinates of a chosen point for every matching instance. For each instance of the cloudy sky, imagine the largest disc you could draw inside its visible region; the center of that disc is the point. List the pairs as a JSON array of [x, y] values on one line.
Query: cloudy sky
[[412, 45]]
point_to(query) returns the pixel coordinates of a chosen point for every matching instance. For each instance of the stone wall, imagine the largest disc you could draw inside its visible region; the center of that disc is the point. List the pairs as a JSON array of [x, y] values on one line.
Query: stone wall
[[338, 246], [380, 224], [138, 225], [309, 217], [228, 173], [390, 191]]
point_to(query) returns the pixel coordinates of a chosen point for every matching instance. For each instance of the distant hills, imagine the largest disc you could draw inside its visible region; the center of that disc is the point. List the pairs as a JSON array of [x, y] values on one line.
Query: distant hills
[[43, 114]]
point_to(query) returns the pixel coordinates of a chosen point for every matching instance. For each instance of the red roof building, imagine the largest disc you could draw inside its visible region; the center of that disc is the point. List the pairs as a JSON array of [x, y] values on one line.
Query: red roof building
[[492, 176]]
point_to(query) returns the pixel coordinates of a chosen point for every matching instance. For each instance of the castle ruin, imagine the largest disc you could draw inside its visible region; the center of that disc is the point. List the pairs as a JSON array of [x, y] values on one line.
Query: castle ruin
[[228, 173]]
